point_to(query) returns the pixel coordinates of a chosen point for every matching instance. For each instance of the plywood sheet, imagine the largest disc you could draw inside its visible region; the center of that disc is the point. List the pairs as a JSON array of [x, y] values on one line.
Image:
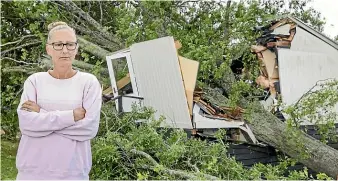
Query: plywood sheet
[[189, 70], [269, 60], [159, 80]]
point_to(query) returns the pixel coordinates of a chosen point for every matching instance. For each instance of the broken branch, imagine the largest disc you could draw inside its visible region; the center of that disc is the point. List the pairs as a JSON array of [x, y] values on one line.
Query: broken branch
[[18, 61], [90, 20], [179, 173], [22, 46], [17, 41]]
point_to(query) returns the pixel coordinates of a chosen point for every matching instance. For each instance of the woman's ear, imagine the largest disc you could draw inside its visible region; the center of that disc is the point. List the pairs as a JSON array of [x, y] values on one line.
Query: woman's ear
[[48, 49]]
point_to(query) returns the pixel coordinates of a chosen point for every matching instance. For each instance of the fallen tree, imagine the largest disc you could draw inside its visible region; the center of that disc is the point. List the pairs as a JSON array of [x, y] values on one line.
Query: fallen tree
[[272, 131]]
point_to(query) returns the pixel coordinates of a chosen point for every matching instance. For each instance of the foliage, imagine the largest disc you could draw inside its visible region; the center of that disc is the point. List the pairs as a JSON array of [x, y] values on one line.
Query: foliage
[[212, 33], [336, 38], [171, 149], [317, 107]]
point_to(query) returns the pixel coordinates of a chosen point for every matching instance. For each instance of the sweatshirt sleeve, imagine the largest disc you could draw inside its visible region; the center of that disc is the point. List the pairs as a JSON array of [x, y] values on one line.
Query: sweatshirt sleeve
[[43, 123], [87, 128]]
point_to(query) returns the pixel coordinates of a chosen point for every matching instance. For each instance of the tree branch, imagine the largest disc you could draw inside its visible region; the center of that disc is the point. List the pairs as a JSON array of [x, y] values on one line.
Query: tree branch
[[95, 36], [18, 61], [93, 48], [18, 69], [192, 166], [17, 41], [101, 12], [310, 91], [22, 46], [47, 63], [179, 173], [90, 20]]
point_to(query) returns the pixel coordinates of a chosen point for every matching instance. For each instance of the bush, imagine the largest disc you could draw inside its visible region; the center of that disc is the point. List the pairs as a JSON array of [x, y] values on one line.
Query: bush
[[128, 150]]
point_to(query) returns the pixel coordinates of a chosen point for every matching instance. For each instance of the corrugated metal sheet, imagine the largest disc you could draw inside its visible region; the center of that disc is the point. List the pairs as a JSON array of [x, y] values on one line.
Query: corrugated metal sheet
[[159, 80], [300, 70]]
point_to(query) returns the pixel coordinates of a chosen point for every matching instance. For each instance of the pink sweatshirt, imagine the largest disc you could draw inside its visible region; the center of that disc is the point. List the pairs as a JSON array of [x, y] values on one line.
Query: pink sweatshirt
[[53, 146]]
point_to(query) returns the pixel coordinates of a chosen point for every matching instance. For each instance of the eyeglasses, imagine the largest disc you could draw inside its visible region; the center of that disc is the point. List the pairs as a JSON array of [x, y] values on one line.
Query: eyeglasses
[[59, 46]]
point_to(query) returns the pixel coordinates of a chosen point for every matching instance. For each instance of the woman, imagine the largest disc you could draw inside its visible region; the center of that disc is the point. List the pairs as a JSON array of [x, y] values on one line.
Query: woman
[[59, 114]]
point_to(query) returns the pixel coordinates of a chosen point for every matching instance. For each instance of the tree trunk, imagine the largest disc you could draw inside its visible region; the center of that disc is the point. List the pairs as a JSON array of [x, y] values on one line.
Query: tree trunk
[[269, 129]]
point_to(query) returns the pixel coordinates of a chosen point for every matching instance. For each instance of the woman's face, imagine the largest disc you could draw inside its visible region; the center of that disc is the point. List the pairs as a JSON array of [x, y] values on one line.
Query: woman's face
[[62, 47]]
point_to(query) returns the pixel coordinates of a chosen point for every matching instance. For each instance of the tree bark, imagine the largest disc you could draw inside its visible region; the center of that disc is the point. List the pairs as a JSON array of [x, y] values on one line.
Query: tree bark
[[269, 129], [73, 7]]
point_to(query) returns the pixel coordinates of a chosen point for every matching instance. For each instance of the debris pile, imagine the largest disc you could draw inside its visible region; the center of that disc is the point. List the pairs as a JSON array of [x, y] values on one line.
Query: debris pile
[[279, 35], [215, 111], [189, 71]]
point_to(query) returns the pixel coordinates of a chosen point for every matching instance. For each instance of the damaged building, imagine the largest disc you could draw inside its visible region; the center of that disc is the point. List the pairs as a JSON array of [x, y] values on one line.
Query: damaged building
[[293, 57]]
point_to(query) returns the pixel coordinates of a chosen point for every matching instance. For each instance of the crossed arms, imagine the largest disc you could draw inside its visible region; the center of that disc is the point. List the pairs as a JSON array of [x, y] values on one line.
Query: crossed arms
[[37, 122]]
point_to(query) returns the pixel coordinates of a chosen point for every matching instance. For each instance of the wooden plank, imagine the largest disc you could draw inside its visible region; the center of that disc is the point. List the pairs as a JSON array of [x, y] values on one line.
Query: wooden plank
[[120, 84], [208, 107], [178, 45], [280, 23], [189, 69], [107, 91], [269, 60], [123, 82]]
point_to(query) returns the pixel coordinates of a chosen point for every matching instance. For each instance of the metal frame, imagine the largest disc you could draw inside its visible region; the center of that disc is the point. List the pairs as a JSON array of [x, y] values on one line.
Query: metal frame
[[117, 98]]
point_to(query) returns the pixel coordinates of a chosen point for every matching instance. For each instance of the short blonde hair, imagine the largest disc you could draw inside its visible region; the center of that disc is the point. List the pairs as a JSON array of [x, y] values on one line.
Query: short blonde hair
[[59, 25]]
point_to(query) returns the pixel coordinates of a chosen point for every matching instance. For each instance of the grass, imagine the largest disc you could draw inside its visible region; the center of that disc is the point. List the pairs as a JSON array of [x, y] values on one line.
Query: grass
[[8, 154]]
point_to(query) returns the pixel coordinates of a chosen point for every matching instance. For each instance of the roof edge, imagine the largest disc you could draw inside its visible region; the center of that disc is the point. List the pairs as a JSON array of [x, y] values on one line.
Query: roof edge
[[313, 31]]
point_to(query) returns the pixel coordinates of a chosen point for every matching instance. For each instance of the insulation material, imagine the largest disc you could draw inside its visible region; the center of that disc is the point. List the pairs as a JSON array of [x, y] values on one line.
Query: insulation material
[[282, 30], [189, 69]]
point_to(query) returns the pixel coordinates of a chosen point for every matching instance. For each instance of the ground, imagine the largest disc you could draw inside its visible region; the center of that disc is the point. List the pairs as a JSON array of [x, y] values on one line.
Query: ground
[[8, 153]]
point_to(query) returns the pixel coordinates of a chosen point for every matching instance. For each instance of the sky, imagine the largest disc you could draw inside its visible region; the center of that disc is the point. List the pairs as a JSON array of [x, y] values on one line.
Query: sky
[[328, 10]]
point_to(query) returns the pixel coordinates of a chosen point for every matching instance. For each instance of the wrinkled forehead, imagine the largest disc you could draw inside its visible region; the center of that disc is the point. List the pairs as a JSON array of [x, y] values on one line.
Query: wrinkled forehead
[[63, 35]]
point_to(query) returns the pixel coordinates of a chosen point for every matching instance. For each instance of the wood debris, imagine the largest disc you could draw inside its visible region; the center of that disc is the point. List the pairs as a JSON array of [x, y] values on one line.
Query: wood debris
[[266, 52], [216, 111]]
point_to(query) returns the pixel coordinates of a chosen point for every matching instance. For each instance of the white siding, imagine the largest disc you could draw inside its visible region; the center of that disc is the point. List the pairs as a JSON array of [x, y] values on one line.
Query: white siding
[[306, 42], [159, 80], [299, 72], [309, 60]]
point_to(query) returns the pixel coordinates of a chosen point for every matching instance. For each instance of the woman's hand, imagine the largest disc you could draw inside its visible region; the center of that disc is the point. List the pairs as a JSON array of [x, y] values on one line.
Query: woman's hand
[[79, 113], [30, 106]]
